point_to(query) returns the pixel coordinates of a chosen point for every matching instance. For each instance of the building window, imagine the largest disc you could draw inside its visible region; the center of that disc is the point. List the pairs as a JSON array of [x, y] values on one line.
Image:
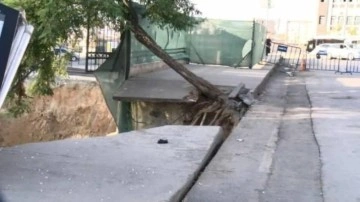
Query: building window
[[333, 20], [357, 20], [350, 20], [321, 20], [341, 20]]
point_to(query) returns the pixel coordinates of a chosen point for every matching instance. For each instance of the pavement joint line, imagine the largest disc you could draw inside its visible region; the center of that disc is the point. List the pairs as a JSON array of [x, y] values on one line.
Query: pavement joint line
[[276, 136], [267, 160], [311, 111]]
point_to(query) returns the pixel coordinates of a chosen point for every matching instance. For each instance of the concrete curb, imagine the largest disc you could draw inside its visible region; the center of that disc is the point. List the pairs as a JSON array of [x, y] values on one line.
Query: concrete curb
[[259, 89], [218, 141], [239, 170]]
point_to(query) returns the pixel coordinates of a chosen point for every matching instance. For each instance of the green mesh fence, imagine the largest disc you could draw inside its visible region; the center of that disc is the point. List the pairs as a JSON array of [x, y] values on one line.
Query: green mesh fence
[[258, 49], [218, 42], [111, 75], [231, 43], [221, 42], [174, 43]]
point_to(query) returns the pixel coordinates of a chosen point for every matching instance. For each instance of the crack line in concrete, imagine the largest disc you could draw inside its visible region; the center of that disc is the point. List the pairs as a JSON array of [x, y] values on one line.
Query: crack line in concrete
[[277, 134], [316, 139]]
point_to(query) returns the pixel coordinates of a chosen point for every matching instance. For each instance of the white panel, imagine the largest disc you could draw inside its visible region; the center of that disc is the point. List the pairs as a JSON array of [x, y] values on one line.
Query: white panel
[[19, 46]]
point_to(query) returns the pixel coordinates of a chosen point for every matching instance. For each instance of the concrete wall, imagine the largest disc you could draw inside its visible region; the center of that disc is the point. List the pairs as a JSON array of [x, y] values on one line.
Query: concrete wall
[[150, 114], [139, 69]]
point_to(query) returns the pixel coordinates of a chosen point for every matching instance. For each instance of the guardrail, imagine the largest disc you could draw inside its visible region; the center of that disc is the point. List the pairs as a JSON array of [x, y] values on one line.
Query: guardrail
[[289, 54], [339, 65], [95, 59]]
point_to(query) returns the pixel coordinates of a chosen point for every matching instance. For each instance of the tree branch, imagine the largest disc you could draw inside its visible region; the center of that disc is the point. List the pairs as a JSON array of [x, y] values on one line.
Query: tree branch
[[133, 15]]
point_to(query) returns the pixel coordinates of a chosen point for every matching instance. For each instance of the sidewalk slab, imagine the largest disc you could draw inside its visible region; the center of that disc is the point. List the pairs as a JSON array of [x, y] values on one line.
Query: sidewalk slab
[[239, 170], [126, 167], [168, 86]]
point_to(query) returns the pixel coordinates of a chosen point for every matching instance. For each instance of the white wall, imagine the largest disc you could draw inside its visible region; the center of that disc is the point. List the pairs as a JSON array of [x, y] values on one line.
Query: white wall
[[281, 13], [243, 10], [228, 9]]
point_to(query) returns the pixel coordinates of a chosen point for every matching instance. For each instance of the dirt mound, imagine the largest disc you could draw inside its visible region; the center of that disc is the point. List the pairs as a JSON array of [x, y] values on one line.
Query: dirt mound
[[76, 110]]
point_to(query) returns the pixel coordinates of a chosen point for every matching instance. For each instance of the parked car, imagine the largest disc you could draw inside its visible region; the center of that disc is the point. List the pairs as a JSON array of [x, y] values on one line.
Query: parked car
[[321, 50], [345, 51], [64, 52]]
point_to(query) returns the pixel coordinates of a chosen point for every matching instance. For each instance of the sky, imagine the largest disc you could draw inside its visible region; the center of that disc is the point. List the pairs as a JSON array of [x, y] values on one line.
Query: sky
[[250, 9]]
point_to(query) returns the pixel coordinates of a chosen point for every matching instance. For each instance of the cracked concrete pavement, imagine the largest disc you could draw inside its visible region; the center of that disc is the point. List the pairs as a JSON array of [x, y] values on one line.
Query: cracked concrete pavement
[[300, 142], [335, 101]]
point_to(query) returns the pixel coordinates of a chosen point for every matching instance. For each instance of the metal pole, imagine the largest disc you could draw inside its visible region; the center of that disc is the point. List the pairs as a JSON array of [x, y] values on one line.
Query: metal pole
[[87, 44], [124, 108], [252, 45]]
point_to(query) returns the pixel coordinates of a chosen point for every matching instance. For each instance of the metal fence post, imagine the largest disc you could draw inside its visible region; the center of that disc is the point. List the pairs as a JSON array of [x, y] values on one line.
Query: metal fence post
[[87, 45], [124, 108], [252, 45]]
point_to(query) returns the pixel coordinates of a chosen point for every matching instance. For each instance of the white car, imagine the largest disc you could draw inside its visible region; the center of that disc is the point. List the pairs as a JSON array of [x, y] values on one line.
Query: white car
[[343, 51], [321, 50]]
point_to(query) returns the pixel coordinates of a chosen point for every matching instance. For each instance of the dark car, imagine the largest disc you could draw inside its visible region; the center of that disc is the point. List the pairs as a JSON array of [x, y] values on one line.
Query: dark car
[[67, 53]]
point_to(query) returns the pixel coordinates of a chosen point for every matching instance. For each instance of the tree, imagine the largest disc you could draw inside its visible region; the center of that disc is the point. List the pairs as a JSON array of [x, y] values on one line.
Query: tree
[[177, 15], [55, 21]]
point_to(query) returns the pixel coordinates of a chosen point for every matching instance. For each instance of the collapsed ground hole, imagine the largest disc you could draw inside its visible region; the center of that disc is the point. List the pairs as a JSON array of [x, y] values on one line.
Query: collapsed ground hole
[[76, 110]]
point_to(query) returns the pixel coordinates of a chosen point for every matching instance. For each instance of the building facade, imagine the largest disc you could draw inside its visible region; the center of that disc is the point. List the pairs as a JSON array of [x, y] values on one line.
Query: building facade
[[339, 17], [290, 22]]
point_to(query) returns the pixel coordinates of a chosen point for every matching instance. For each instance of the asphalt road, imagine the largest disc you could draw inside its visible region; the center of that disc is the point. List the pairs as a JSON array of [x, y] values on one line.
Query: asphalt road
[[317, 156], [300, 142], [335, 112]]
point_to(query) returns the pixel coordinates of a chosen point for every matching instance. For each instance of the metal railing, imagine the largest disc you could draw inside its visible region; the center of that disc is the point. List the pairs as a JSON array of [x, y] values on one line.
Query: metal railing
[[95, 59], [289, 55], [339, 65]]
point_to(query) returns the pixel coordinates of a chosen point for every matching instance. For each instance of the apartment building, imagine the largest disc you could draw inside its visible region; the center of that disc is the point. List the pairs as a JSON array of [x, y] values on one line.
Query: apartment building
[[339, 17]]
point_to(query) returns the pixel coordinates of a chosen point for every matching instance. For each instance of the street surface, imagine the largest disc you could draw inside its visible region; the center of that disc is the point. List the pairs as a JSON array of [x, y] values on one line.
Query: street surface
[[300, 142], [335, 101]]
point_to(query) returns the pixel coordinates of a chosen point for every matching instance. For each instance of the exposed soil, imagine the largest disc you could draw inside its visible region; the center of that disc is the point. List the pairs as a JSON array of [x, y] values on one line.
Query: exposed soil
[[76, 110]]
